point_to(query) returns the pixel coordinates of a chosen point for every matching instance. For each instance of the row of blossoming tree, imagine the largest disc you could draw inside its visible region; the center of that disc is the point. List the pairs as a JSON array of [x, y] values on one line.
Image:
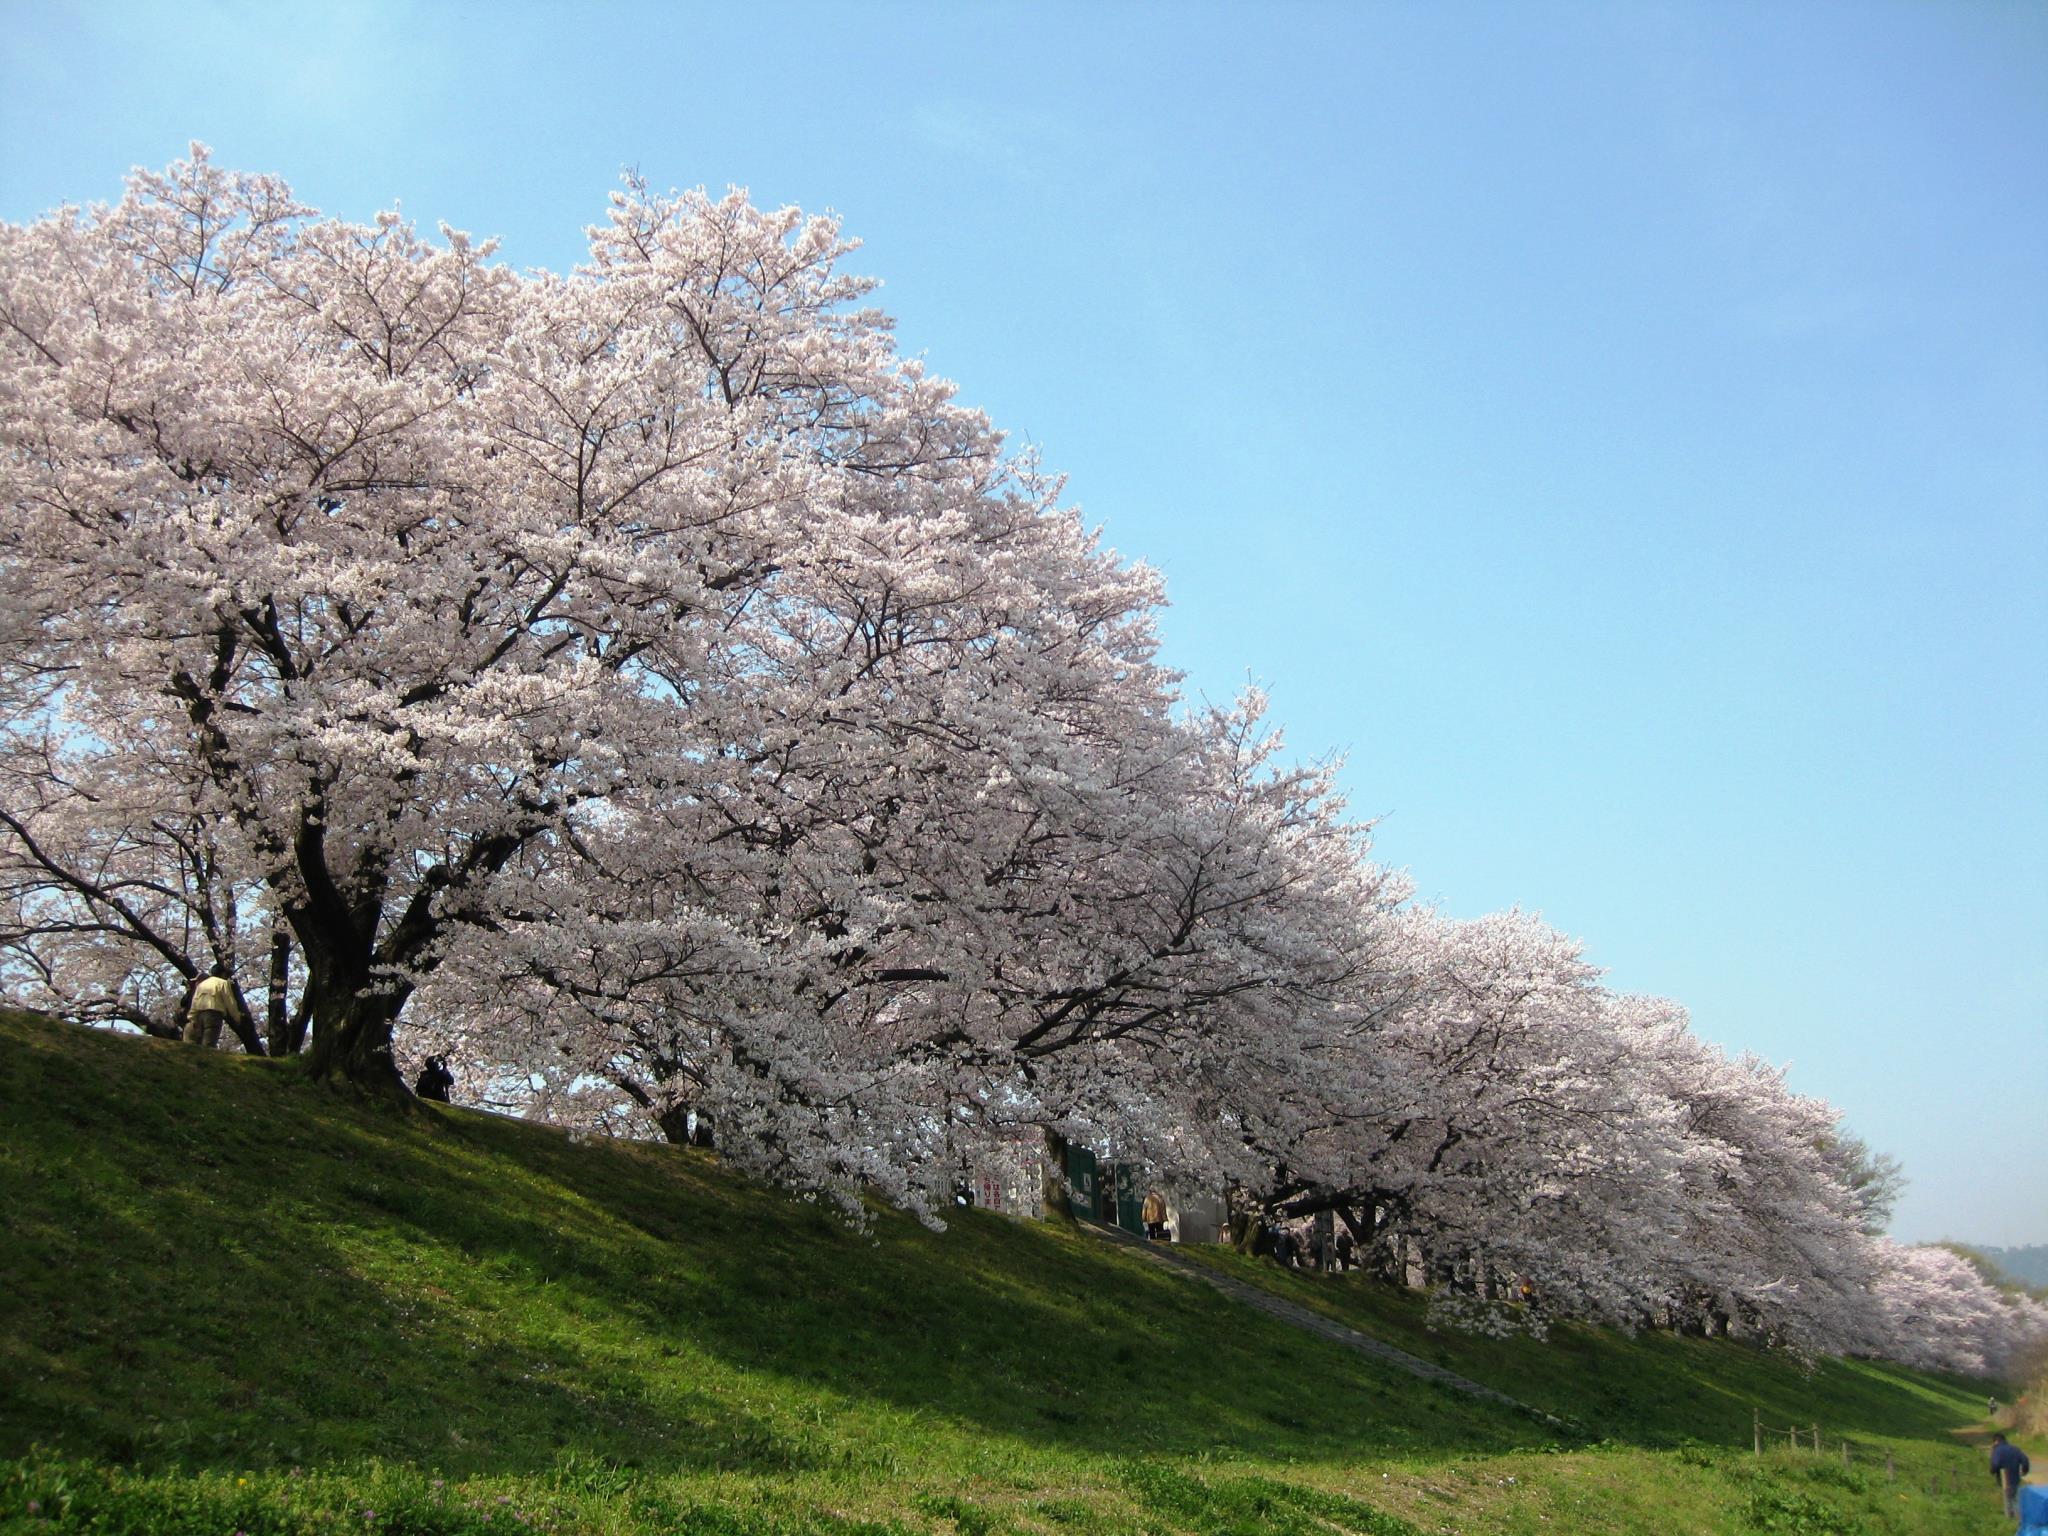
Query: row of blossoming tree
[[647, 685]]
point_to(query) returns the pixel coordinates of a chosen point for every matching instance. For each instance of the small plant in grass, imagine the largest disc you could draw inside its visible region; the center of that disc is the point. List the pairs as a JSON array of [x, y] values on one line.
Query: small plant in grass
[[1783, 1510]]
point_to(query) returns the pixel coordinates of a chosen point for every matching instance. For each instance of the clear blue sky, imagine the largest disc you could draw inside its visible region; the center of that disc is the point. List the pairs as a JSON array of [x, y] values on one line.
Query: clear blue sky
[[1621, 428]]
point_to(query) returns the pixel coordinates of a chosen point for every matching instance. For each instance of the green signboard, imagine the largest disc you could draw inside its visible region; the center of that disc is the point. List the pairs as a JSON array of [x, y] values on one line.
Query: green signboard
[[1130, 1199], [1105, 1191], [1083, 1175]]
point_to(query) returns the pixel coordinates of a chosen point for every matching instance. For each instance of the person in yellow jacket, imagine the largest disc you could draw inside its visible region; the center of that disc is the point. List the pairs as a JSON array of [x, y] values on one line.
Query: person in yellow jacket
[[1153, 1214], [213, 1004]]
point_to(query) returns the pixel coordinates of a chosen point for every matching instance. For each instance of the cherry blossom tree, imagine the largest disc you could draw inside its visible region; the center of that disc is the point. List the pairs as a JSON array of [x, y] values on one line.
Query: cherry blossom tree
[[648, 687], [1537, 1146], [1091, 963], [648, 662], [1490, 1123], [1936, 1310], [445, 601]]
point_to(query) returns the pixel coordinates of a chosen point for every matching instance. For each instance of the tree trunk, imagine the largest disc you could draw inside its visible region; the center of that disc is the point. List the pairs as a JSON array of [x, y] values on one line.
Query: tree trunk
[[1239, 1218], [352, 1042], [243, 1024], [682, 1126], [1390, 1260], [1053, 1177], [277, 1026]]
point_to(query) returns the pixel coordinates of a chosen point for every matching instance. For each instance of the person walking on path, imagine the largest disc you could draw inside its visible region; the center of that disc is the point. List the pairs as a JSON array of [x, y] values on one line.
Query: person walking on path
[[2009, 1464], [213, 1004]]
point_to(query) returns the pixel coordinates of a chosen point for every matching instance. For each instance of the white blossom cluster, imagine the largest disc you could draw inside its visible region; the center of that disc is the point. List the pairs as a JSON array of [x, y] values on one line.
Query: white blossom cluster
[[648, 689]]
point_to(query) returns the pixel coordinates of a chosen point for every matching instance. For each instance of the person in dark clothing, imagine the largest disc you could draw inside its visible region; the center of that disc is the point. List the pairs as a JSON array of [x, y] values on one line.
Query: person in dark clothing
[[435, 1080], [1346, 1248], [2009, 1464], [1283, 1248]]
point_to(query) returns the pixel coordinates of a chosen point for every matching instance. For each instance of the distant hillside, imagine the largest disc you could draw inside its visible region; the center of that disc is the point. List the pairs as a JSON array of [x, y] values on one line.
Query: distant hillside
[[2028, 1265], [233, 1301]]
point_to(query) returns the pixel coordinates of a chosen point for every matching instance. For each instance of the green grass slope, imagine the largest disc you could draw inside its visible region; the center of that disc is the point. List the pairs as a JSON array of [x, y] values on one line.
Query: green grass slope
[[233, 1301]]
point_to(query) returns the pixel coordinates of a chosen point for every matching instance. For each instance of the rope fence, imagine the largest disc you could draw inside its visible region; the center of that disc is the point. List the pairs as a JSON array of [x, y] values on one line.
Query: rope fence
[[1808, 1436]]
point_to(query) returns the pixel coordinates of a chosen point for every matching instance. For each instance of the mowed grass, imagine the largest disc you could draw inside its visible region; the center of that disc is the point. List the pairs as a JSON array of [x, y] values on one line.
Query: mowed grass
[[1652, 1389], [231, 1300]]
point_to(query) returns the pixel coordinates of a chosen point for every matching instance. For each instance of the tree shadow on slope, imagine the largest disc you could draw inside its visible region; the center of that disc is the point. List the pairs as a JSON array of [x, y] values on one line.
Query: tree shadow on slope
[[210, 1262], [1653, 1389]]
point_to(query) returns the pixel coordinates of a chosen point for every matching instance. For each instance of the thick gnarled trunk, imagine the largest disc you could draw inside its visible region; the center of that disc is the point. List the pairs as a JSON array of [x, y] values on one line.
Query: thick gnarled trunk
[[686, 1127], [1058, 1201], [354, 1013], [352, 1042]]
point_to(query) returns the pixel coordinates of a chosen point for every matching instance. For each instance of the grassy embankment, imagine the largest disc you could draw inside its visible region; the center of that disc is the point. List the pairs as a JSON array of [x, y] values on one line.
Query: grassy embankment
[[231, 1301]]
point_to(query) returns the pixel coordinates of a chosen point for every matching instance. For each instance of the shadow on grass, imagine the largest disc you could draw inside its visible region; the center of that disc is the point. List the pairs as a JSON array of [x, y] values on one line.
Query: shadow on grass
[[1653, 1389], [209, 1262]]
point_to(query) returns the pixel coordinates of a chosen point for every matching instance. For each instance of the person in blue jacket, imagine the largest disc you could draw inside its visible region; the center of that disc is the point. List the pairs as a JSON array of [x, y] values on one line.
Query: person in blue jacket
[[2009, 1464]]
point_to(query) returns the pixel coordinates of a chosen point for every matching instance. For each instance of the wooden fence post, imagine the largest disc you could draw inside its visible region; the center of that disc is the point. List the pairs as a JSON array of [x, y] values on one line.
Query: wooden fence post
[[1816, 1439], [1756, 1426], [1890, 1473], [1845, 1455]]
